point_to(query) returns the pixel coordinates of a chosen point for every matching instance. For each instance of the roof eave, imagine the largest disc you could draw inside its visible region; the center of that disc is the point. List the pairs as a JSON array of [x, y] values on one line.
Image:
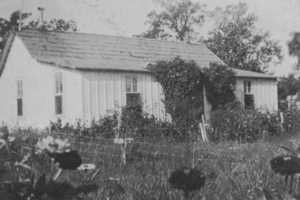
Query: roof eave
[[258, 77], [6, 51]]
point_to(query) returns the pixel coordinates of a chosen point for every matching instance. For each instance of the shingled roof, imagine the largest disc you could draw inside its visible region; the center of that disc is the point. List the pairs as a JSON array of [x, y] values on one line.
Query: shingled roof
[[102, 52]]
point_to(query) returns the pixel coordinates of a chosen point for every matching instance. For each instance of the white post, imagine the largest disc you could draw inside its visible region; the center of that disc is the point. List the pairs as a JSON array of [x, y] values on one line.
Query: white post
[[206, 105], [20, 16], [123, 147], [41, 9]]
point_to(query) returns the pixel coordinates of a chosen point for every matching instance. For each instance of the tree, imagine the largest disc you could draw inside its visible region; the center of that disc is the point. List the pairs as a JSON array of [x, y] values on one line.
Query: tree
[[238, 43], [294, 47], [59, 25], [10, 25], [177, 20], [288, 86], [220, 85]]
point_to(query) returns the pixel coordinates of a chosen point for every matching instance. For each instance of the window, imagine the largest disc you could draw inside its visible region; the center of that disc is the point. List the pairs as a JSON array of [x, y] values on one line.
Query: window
[[247, 87], [131, 84], [133, 97], [58, 83], [249, 101], [58, 99], [20, 98], [248, 96]]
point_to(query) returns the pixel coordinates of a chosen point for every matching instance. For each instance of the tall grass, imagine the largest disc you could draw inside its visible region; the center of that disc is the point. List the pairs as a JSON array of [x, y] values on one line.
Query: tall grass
[[233, 171]]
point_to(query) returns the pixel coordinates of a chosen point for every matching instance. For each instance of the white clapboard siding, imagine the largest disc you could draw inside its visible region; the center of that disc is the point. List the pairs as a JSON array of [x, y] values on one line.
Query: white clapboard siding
[[264, 91], [105, 92]]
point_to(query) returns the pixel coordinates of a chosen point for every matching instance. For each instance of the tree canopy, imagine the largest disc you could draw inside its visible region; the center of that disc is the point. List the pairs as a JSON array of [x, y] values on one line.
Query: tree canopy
[[288, 86], [237, 41], [59, 25], [294, 47], [11, 24], [220, 85], [178, 19]]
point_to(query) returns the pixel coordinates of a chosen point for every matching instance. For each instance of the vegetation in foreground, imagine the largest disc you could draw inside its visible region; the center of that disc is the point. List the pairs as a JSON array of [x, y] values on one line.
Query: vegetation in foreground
[[232, 171]]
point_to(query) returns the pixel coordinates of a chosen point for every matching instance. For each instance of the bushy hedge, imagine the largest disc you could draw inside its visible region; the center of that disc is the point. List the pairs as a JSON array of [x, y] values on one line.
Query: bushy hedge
[[104, 127], [134, 123], [235, 123], [291, 122]]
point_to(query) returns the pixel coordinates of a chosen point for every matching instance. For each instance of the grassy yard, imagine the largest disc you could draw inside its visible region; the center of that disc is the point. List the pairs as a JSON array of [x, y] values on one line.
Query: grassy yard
[[234, 171]]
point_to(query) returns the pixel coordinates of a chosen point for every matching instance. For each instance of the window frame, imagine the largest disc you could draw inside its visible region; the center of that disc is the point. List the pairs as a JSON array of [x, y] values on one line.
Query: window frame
[[58, 96], [247, 87], [19, 99], [131, 84], [249, 107]]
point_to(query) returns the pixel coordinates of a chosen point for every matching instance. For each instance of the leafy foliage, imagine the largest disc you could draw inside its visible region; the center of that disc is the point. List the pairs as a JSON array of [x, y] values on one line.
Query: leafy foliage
[[59, 25], [220, 85], [104, 127], [291, 120], [294, 47], [235, 123], [10, 25], [288, 86], [177, 20], [238, 43], [182, 83]]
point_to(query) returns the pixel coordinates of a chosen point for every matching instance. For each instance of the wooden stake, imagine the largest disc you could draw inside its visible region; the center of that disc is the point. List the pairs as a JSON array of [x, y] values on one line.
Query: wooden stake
[[20, 16]]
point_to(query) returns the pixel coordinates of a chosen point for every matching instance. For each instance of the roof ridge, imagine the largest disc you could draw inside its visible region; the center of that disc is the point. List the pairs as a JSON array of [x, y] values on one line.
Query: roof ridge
[[116, 36]]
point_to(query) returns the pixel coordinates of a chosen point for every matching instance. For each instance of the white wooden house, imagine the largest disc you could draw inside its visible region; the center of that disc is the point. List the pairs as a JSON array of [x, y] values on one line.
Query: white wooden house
[[72, 76]]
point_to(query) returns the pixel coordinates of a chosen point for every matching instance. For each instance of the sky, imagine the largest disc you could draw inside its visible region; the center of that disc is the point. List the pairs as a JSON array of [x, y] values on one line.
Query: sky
[[127, 17]]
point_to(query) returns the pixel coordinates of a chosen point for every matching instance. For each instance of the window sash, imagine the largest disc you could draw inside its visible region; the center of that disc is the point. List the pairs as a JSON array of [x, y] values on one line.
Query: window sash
[[58, 83], [247, 87], [58, 104], [128, 84], [134, 84], [19, 88], [20, 107], [131, 84]]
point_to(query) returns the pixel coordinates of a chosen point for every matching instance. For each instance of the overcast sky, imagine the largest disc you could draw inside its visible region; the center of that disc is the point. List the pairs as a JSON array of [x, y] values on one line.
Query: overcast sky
[[127, 17]]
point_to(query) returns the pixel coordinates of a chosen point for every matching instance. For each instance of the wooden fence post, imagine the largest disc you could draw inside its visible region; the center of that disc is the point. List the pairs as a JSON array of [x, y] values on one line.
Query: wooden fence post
[[281, 121], [202, 126]]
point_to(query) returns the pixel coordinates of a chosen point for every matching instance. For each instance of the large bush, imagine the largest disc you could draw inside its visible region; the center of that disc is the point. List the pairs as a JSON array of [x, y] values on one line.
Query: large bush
[[183, 81], [104, 127], [235, 123], [136, 123], [291, 121], [220, 85]]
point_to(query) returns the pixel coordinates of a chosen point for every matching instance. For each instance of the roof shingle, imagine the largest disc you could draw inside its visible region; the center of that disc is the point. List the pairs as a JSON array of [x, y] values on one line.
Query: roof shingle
[[101, 52]]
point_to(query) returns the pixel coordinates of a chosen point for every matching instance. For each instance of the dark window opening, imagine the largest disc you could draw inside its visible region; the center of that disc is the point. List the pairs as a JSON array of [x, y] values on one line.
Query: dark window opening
[[58, 105], [249, 101], [133, 99], [20, 107]]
